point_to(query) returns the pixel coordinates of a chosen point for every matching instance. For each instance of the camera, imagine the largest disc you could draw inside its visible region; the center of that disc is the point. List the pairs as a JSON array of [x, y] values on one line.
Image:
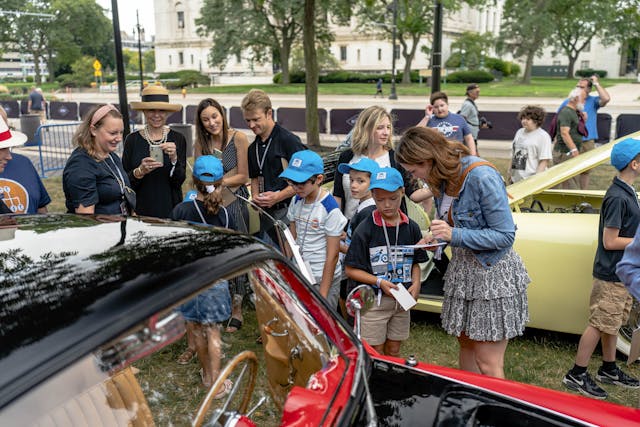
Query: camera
[[484, 123]]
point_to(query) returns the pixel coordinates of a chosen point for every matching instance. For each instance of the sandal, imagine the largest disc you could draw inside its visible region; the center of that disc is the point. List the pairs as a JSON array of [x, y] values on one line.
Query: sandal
[[234, 325], [186, 356], [226, 386]]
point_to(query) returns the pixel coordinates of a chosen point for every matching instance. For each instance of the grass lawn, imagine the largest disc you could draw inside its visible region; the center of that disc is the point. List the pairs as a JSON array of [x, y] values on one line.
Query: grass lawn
[[539, 87], [539, 357]]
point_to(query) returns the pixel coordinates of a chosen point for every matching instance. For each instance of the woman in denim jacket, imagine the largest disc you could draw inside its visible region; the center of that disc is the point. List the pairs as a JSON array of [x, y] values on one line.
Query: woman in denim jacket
[[485, 291]]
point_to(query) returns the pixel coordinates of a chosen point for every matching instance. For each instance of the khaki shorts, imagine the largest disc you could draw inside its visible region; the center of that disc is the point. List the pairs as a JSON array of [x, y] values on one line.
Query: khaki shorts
[[609, 306], [388, 321]]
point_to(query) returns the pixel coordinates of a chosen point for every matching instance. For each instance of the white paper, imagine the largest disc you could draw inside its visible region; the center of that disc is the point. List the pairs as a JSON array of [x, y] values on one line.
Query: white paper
[[403, 297], [425, 245]]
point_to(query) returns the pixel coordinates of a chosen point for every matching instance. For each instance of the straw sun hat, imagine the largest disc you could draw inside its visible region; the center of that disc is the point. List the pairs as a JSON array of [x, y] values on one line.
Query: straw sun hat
[[9, 138], [155, 98]]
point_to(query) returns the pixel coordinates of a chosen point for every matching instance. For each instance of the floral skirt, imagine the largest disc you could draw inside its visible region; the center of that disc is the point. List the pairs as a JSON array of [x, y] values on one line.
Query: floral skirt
[[486, 304]]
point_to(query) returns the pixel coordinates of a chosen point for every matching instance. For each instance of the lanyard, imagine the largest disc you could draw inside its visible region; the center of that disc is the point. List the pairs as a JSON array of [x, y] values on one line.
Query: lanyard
[[264, 155], [306, 225], [394, 258], [119, 181]]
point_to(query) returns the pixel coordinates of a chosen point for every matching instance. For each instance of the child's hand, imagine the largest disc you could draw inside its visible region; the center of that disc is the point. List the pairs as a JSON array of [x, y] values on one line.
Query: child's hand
[[386, 287], [441, 230], [414, 290]]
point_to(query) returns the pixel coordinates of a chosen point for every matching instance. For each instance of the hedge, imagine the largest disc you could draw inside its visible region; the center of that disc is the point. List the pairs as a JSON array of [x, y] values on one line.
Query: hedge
[[588, 72], [470, 76], [346, 77]]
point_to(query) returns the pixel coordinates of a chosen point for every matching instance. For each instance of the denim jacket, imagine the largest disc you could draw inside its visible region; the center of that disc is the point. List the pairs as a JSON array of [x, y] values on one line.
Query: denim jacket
[[481, 214]]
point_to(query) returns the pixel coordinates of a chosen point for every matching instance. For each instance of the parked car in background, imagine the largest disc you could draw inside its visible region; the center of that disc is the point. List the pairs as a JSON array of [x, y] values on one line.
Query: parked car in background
[[89, 336]]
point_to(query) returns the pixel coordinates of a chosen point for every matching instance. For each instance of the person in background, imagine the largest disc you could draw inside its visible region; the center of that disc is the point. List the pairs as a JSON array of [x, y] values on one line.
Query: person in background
[[610, 302], [379, 88], [93, 180], [451, 125], [568, 140], [378, 256], [155, 157], [315, 222], [469, 111], [486, 279], [269, 156], [214, 137], [8, 139], [36, 104], [209, 309], [373, 139], [20, 185], [531, 147], [591, 106]]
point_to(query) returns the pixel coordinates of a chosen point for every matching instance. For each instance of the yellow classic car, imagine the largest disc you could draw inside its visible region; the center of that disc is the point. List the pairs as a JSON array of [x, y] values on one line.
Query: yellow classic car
[[557, 238]]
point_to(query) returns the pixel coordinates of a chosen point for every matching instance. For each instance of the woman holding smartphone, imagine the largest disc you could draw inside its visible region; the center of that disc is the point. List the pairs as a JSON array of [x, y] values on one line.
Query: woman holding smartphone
[[155, 157]]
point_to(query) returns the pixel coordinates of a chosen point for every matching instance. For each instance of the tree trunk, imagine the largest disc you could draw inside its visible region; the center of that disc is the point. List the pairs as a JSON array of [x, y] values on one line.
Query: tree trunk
[[311, 74], [572, 64], [285, 51], [526, 77]]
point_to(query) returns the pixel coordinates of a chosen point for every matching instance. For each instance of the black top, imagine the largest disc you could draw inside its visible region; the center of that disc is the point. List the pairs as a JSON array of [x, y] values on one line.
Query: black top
[[89, 182], [368, 249], [157, 192], [619, 210], [347, 155], [187, 211], [283, 145]]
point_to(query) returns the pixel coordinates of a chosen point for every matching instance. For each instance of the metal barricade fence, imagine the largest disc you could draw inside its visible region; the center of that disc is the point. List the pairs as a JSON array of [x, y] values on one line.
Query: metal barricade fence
[[55, 144]]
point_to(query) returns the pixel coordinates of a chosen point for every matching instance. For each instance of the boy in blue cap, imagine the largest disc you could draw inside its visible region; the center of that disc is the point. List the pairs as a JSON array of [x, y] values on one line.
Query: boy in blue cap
[[610, 302], [316, 222], [380, 255]]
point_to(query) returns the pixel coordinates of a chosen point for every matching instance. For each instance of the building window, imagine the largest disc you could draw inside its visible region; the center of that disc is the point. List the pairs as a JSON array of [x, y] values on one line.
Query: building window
[[238, 59], [556, 62], [379, 54], [191, 59], [587, 48], [358, 55], [584, 65], [180, 20], [396, 51], [180, 58], [343, 53], [169, 59]]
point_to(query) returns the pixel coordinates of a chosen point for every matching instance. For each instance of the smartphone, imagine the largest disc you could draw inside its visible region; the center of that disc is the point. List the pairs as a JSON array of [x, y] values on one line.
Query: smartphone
[[155, 152], [217, 153]]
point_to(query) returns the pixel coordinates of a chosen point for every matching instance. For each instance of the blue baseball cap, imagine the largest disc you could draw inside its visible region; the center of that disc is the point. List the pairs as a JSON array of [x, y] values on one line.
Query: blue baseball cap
[[387, 179], [365, 164], [303, 165], [624, 151], [208, 169]]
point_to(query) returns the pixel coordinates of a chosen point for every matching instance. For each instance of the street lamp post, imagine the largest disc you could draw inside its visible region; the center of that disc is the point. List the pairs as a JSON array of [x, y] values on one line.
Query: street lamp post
[[393, 94], [139, 53]]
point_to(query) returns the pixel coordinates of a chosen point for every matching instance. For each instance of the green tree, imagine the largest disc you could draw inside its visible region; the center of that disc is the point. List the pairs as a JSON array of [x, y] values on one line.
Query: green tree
[[473, 44], [526, 26], [149, 61], [265, 29], [414, 22]]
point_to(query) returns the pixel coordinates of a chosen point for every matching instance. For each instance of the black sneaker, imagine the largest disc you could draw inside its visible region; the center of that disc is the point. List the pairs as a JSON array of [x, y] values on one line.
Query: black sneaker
[[584, 384], [617, 377]]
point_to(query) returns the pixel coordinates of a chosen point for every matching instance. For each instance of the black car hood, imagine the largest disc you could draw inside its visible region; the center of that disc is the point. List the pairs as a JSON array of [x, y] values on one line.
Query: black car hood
[[66, 278]]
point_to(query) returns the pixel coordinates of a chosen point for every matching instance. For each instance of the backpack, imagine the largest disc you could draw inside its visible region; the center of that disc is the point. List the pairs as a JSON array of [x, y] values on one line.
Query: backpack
[[553, 126]]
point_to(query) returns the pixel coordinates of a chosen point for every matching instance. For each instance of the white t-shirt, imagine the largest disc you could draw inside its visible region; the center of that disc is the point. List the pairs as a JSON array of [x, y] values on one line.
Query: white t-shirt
[[351, 204], [314, 222], [528, 149]]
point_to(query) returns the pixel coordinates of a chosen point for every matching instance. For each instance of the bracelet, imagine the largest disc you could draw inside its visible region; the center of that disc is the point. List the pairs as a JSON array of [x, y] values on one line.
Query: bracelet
[[573, 150], [378, 281], [139, 175]]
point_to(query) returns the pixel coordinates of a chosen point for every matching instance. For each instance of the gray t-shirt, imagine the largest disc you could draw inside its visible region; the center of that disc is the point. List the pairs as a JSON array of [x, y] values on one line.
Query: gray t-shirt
[[470, 114]]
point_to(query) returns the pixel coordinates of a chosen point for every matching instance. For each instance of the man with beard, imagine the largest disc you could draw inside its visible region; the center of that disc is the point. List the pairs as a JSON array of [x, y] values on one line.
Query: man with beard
[[568, 140]]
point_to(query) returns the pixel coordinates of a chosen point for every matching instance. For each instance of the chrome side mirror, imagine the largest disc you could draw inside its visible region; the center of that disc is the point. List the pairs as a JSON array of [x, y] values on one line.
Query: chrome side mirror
[[359, 301]]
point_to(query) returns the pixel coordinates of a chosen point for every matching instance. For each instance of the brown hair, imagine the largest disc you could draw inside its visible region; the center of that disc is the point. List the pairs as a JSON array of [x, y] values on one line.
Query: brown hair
[[83, 138], [532, 112], [438, 95], [420, 144], [256, 99], [203, 137], [212, 201], [365, 125]]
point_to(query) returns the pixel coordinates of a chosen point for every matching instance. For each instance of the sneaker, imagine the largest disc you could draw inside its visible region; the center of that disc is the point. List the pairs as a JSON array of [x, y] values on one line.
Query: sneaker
[[584, 384], [617, 377]]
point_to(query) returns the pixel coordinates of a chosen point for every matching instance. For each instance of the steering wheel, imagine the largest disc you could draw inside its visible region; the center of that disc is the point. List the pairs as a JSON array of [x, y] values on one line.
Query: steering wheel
[[247, 359]]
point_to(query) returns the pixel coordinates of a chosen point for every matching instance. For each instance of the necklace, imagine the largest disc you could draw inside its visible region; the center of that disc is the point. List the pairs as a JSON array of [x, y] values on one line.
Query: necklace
[[147, 135]]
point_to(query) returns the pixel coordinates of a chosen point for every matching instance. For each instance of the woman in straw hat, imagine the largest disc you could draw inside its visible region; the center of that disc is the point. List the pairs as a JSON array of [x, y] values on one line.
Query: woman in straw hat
[[93, 179], [155, 157], [8, 139]]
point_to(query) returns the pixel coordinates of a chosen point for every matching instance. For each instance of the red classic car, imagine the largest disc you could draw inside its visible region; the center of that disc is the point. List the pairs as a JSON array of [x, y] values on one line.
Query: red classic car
[[89, 336]]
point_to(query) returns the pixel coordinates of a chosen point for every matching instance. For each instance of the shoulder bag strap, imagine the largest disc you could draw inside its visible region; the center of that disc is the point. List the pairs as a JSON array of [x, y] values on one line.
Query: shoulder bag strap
[[463, 177]]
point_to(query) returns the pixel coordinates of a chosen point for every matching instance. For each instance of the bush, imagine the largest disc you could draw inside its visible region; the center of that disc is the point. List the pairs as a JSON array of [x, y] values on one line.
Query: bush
[[507, 68], [470, 76], [588, 72]]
